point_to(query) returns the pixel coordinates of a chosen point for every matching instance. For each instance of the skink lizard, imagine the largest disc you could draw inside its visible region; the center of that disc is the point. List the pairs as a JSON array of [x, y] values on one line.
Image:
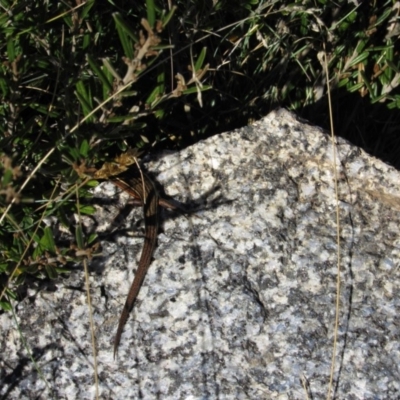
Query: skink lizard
[[143, 189]]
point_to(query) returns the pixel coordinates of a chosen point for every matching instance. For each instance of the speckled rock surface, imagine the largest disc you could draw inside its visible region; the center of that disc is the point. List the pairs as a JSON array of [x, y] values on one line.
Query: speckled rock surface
[[239, 302]]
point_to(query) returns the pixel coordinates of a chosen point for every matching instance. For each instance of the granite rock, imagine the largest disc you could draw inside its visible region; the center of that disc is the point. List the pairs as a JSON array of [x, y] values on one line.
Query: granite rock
[[239, 302]]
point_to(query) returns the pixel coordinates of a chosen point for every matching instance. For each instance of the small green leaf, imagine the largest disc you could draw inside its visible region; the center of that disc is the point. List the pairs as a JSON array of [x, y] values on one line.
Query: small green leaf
[[169, 16], [124, 33], [386, 77], [343, 82], [62, 270], [110, 69], [73, 152], [7, 177], [385, 15], [378, 98], [86, 105], [129, 93], [86, 41], [195, 89], [11, 49], [389, 52], [395, 103], [393, 66], [3, 267], [79, 237], [159, 113], [84, 94], [51, 271], [47, 241], [20, 279], [158, 91], [356, 87], [36, 238], [4, 17], [86, 8], [98, 71], [119, 21], [84, 149], [359, 59], [92, 238], [360, 46], [87, 209], [367, 84], [5, 305], [92, 183], [43, 109], [151, 12], [11, 294], [4, 87], [200, 59]]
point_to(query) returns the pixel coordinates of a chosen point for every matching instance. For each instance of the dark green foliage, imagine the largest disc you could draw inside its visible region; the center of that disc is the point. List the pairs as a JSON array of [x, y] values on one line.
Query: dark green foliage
[[81, 84]]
